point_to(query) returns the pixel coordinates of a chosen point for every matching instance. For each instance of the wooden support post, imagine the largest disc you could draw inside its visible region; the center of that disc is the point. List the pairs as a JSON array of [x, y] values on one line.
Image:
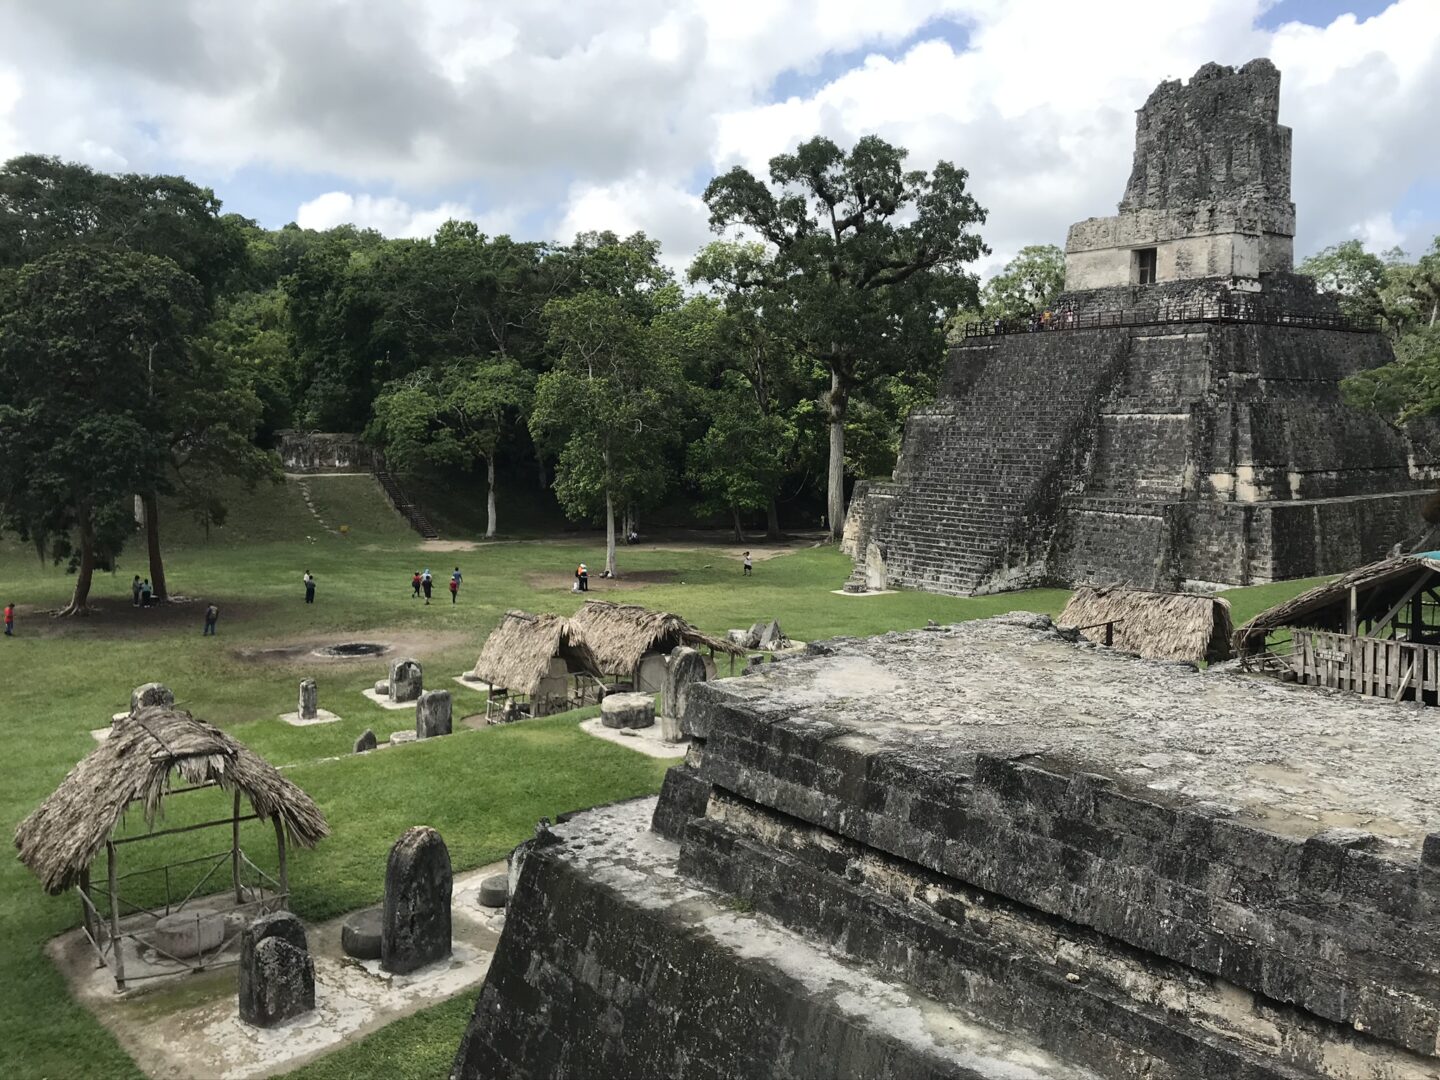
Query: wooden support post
[[235, 849], [84, 907], [116, 945], [284, 870], [1351, 620]]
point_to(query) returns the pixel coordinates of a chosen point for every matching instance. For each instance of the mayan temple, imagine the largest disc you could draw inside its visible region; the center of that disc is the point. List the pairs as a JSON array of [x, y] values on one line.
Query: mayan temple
[[1179, 423]]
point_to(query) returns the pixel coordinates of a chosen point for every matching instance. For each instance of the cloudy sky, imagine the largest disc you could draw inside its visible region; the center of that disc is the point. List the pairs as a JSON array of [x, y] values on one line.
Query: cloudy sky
[[545, 117]]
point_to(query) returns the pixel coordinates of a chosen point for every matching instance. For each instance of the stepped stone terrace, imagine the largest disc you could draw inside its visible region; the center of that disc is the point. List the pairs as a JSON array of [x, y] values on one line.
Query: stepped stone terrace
[[990, 851]]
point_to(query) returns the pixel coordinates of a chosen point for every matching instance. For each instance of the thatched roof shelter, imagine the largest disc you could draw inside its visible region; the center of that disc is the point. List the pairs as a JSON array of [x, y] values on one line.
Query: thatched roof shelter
[[1161, 626], [623, 634], [1378, 587], [518, 652], [62, 837]]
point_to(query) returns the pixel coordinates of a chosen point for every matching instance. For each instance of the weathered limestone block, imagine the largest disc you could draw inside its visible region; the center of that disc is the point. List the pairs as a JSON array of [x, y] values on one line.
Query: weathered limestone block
[[189, 933], [152, 693], [309, 699], [627, 711], [415, 926], [432, 714], [382, 687], [686, 667], [744, 638], [406, 680], [365, 742], [360, 934], [495, 890], [277, 975]]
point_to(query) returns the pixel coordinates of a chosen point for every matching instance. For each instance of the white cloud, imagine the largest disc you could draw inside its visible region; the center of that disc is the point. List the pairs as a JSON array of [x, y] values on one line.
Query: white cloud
[[612, 115], [656, 207], [392, 216]]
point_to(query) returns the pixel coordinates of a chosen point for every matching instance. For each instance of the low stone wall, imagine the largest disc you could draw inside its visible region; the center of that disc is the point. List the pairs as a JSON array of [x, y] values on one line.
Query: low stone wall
[[322, 452]]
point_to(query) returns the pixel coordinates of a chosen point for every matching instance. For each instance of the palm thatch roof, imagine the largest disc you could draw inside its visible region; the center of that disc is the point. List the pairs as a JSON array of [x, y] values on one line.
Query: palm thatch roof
[[621, 634], [1327, 607], [1161, 626], [518, 652], [61, 838]]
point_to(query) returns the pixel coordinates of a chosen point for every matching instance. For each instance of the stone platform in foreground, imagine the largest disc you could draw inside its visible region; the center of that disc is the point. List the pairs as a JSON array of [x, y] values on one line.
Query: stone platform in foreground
[[613, 965], [1134, 868]]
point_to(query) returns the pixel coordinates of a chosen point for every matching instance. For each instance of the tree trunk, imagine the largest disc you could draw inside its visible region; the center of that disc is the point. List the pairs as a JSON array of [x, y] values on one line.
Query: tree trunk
[[609, 533], [79, 602], [772, 520], [837, 401], [735, 517], [152, 541], [490, 498]]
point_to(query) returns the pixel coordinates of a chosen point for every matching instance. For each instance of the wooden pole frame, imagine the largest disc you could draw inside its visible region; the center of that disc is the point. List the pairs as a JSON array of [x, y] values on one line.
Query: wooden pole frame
[[116, 941]]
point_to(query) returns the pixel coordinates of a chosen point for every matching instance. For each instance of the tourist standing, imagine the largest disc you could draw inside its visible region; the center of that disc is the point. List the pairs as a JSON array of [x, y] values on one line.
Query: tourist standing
[[455, 580], [9, 620], [212, 615], [145, 593], [309, 587], [415, 586], [135, 591], [748, 564], [582, 575], [427, 583]]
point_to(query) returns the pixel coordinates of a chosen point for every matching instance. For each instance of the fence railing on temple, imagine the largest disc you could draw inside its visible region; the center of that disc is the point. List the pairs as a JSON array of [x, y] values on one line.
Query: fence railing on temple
[[1209, 311]]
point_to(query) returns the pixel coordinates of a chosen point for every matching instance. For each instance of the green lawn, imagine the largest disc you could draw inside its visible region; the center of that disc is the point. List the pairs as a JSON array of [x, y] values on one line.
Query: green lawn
[[483, 790]]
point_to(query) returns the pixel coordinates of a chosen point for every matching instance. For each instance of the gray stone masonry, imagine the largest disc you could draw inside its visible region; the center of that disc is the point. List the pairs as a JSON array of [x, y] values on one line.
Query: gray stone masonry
[[415, 927], [984, 851], [432, 714], [1197, 826], [1215, 138], [609, 967], [276, 979], [406, 680], [309, 699], [365, 742], [1155, 455]]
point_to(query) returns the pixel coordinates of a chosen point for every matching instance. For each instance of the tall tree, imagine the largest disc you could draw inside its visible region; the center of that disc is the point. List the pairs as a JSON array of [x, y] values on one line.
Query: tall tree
[[869, 262], [80, 331], [47, 205], [454, 414], [756, 353], [610, 406]]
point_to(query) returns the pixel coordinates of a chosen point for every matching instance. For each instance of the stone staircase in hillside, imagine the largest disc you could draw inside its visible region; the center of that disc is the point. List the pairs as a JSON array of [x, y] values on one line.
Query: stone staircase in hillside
[[981, 489], [409, 510]]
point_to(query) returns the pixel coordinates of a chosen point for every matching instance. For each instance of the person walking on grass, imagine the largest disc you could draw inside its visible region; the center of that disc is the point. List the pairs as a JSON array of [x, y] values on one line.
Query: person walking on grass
[[748, 565], [415, 586], [582, 575], [9, 620], [455, 585], [427, 583], [309, 587], [212, 615]]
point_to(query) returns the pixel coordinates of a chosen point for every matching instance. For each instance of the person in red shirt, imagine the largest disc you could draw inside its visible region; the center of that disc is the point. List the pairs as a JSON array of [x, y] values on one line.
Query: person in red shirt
[[9, 620], [415, 586]]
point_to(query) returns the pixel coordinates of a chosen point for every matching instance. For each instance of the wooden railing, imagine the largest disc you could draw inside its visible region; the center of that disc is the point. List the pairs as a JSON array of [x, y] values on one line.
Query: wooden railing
[[1375, 667]]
